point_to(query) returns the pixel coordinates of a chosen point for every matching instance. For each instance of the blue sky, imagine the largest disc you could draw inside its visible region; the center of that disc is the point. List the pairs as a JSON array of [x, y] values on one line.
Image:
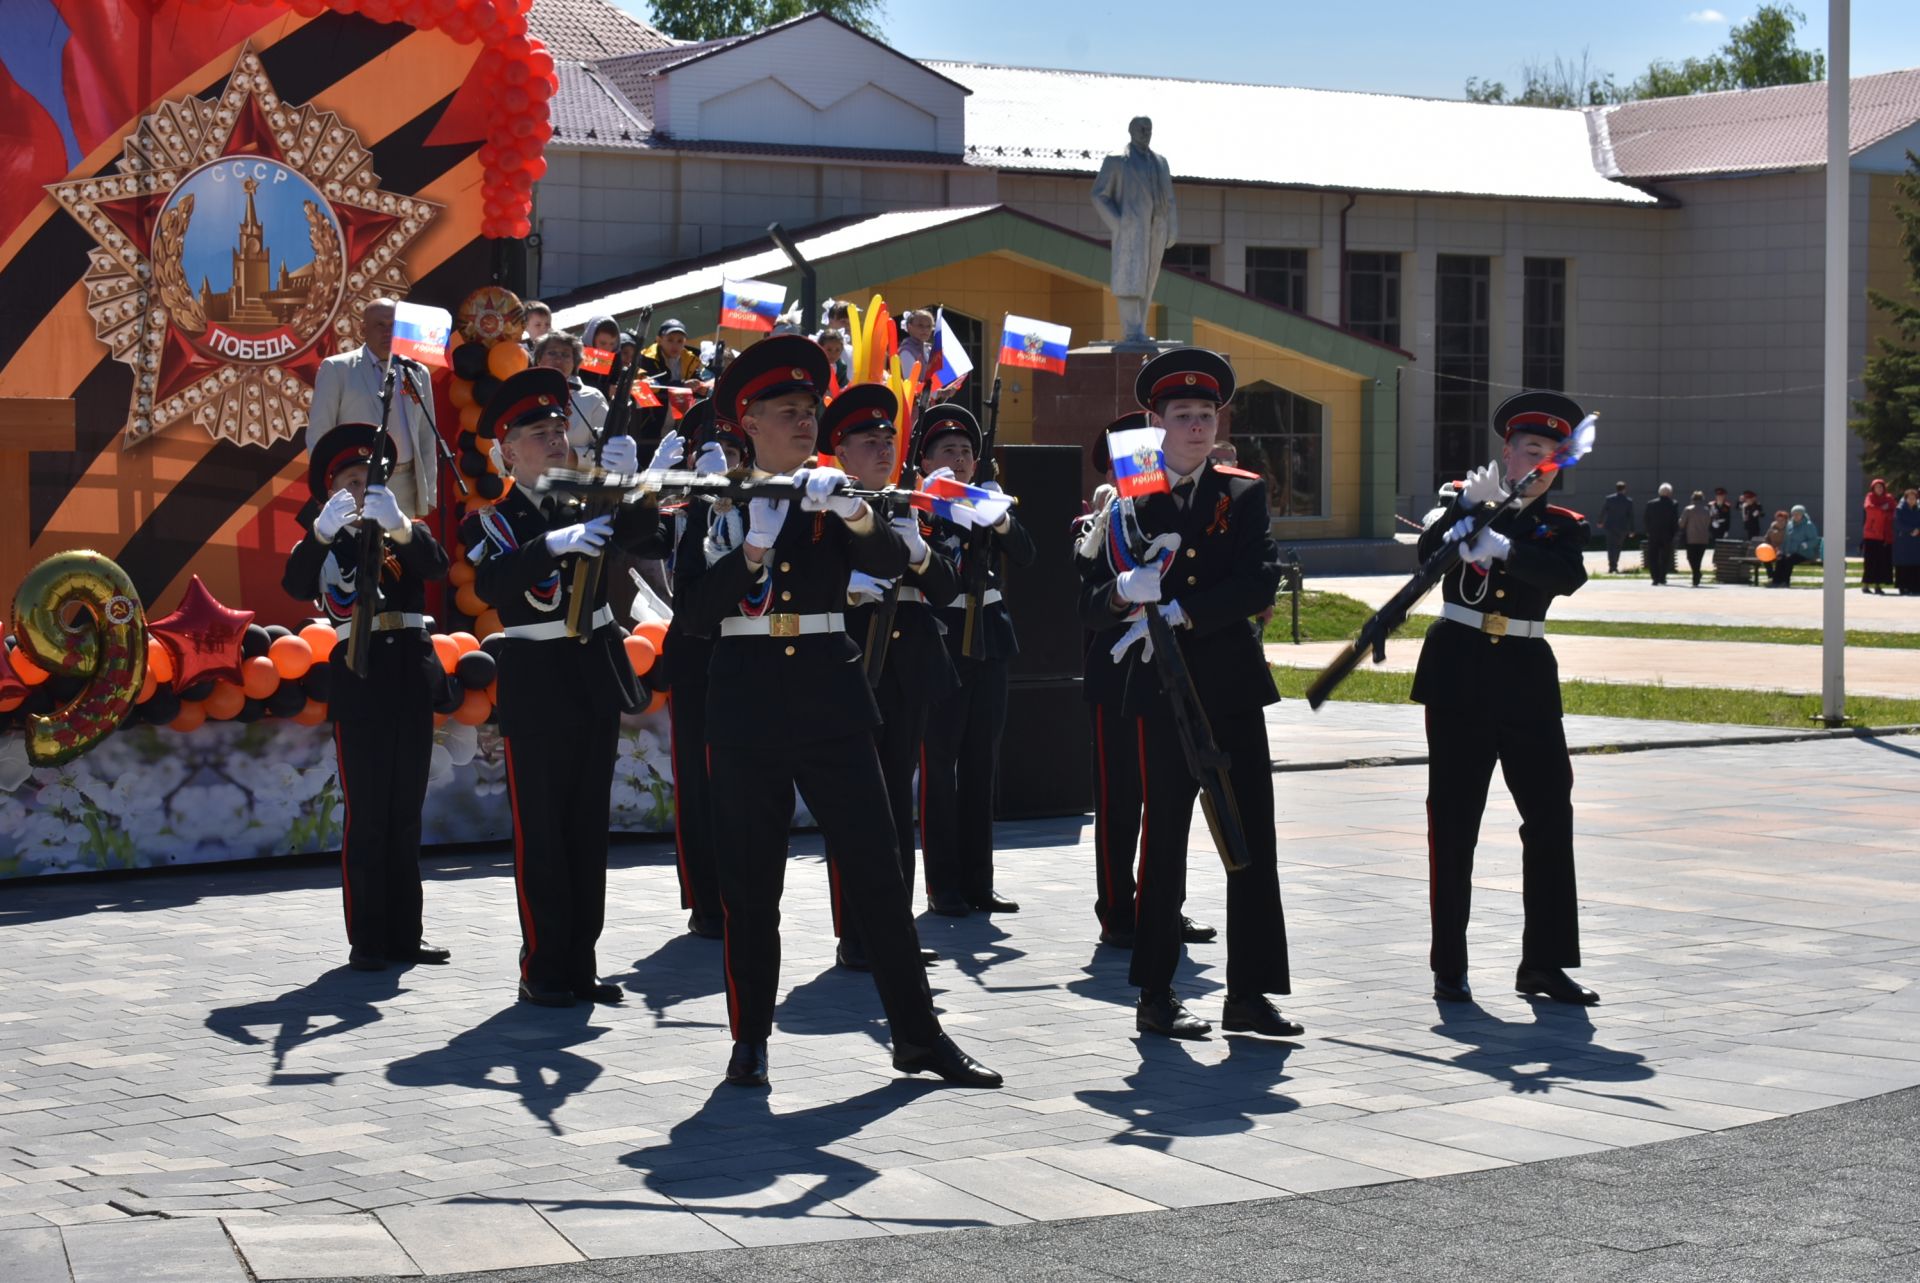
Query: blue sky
[[1426, 47]]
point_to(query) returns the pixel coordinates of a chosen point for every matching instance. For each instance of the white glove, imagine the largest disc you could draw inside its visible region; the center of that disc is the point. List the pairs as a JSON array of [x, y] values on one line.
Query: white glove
[[340, 511], [620, 454], [712, 459], [1485, 548], [1483, 485], [764, 519], [821, 485], [667, 454], [1136, 632], [991, 487], [864, 587], [938, 474], [1141, 584], [588, 538], [908, 528], [382, 507], [1174, 614]]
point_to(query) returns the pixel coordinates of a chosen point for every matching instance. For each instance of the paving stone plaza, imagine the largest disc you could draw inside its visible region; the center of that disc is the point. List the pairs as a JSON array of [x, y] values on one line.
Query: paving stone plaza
[[194, 1087]]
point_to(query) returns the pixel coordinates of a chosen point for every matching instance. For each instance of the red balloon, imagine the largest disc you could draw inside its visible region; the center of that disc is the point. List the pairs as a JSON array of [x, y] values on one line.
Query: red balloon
[[537, 168], [540, 63], [203, 637], [11, 687]]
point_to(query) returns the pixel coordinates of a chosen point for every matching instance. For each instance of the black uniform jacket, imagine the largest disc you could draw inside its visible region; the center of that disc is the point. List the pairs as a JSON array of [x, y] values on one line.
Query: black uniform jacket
[[685, 659], [546, 686], [1225, 571], [403, 671], [918, 669], [977, 556], [1517, 676], [1104, 682], [798, 688]]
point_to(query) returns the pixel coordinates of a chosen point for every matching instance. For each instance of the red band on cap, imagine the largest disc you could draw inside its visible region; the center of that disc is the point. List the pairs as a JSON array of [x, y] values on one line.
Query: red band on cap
[[347, 459], [1186, 382], [758, 385], [1540, 419]]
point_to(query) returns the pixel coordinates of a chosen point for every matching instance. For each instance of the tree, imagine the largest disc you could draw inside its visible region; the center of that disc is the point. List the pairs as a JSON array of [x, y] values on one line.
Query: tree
[[1889, 426], [712, 19], [1563, 83]]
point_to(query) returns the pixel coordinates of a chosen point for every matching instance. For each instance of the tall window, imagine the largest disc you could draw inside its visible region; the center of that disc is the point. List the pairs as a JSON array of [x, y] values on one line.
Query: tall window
[[1543, 341], [1196, 260], [1278, 275], [1462, 342], [1373, 297], [1282, 436]]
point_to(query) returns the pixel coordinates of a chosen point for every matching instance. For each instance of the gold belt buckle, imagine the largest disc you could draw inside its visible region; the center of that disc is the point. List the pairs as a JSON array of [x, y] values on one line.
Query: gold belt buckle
[[783, 625], [1494, 625]]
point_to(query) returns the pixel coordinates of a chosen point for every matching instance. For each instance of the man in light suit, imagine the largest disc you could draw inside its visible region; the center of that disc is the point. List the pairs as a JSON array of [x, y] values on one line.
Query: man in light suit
[[347, 390], [1134, 195]]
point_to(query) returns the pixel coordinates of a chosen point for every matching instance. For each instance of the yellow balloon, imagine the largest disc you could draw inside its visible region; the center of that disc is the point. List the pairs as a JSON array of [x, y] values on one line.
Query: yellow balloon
[[77, 614]]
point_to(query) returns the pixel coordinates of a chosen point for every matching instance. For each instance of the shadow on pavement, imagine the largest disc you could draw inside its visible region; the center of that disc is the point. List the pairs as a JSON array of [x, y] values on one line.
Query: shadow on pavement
[[684, 969], [336, 1002], [1555, 1051], [530, 1043], [1173, 1094]]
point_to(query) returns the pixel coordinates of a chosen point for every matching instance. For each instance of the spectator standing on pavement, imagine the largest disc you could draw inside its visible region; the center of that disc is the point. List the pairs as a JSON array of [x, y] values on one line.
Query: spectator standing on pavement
[[1662, 521], [1696, 531], [1906, 544], [1800, 543], [1876, 539], [1753, 517], [1722, 511], [1616, 519]]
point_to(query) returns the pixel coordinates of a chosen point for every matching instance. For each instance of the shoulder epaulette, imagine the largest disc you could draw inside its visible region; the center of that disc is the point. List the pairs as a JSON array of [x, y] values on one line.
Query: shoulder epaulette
[[1565, 512], [1229, 471]]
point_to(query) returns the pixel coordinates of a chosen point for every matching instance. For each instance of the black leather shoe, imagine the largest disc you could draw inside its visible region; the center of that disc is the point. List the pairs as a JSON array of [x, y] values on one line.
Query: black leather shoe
[[431, 955], [1116, 938], [946, 1060], [1552, 982], [1162, 1013], [541, 996], [851, 956], [994, 902], [1451, 988], [1196, 932], [605, 994], [928, 957], [949, 906], [706, 928], [747, 1067], [1256, 1014], [362, 960]]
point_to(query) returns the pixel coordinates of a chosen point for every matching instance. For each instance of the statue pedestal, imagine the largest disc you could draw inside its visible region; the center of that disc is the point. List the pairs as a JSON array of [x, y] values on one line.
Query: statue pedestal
[[1096, 389]]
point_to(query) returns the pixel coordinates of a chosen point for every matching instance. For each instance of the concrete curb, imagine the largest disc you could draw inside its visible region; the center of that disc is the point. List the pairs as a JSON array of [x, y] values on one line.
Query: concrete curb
[[1639, 746]]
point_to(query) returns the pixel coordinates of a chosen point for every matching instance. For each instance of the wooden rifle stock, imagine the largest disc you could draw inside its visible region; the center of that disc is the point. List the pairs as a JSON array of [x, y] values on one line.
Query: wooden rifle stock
[[371, 549], [587, 570]]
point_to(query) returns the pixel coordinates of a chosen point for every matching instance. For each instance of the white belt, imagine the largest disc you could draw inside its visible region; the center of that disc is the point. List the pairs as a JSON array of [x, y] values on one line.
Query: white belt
[[555, 629], [387, 621], [912, 594], [1492, 623], [782, 625], [990, 596]]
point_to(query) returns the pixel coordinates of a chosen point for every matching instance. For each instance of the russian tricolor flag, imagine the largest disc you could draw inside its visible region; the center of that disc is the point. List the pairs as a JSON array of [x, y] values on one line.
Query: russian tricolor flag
[[751, 305], [964, 505], [1035, 345], [420, 333], [950, 360], [1139, 467]]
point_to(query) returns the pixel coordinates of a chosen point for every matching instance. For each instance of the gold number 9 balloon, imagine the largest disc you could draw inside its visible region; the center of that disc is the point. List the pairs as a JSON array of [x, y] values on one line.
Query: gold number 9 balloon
[[76, 614]]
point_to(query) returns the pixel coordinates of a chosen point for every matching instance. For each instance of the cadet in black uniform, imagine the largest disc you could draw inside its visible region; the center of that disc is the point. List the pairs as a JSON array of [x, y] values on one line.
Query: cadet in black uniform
[[858, 430], [788, 703], [1116, 740], [715, 446], [383, 725], [560, 697], [1492, 691], [1223, 571], [960, 757]]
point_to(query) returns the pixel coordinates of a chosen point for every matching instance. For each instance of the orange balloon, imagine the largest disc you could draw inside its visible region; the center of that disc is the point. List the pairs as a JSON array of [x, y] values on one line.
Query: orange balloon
[[192, 715], [473, 709], [658, 702], [320, 640], [439, 720], [311, 714], [641, 654], [30, 673], [259, 678], [654, 631], [460, 573], [226, 700], [467, 642], [460, 392], [445, 651], [159, 660], [291, 657], [147, 686], [486, 624], [471, 603], [469, 417], [11, 702], [506, 359], [1766, 552]]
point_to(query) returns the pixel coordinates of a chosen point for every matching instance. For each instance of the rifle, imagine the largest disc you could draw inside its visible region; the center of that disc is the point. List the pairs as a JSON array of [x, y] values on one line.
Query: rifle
[[587, 570], [1373, 634], [880, 627], [979, 541], [1206, 762], [371, 549]]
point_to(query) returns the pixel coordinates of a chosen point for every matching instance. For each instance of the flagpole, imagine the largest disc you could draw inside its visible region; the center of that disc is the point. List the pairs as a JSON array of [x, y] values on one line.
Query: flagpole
[[1834, 399]]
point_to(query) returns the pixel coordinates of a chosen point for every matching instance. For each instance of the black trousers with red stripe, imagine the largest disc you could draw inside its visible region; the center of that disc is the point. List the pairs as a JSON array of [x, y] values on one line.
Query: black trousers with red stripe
[[1116, 815], [897, 740], [383, 784], [1256, 925], [1533, 758], [561, 785], [959, 766], [841, 782], [693, 800]]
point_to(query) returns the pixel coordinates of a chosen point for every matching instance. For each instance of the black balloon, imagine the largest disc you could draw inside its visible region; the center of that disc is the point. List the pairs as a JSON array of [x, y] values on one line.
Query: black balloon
[[197, 691], [483, 389], [470, 361], [476, 670], [276, 631], [251, 711], [255, 643], [289, 699], [492, 645], [318, 683], [161, 707]]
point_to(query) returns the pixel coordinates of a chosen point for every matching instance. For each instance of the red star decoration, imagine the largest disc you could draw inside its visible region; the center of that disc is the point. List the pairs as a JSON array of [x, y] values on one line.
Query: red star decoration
[[203, 637]]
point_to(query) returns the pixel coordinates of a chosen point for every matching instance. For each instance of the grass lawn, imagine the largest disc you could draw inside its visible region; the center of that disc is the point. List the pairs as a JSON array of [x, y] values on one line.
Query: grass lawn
[[1654, 703]]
